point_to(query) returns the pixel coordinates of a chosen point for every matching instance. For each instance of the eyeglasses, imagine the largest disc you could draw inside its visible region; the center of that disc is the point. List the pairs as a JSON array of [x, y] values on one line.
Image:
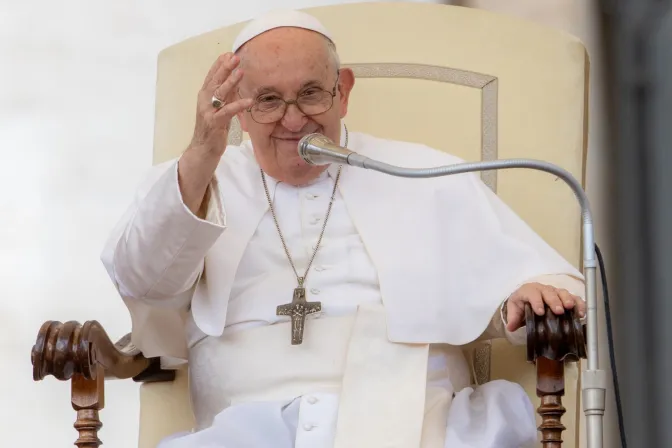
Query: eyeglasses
[[270, 107]]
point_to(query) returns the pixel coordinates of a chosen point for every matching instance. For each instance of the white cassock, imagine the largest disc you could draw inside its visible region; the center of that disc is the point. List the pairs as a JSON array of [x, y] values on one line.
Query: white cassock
[[408, 271]]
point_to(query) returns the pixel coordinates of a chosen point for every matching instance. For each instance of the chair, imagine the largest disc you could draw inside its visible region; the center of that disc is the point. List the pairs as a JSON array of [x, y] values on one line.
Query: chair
[[474, 83]]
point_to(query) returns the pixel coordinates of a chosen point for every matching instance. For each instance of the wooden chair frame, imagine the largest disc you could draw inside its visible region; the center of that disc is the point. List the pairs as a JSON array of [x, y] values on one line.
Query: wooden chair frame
[[85, 356]]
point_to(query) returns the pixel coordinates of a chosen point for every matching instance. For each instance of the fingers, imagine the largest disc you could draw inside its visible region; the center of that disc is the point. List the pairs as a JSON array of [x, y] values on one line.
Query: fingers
[[560, 300], [571, 301], [212, 123], [227, 112], [223, 71], [224, 90], [514, 315], [567, 298], [552, 299], [536, 301], [215, 66], [539, 296]]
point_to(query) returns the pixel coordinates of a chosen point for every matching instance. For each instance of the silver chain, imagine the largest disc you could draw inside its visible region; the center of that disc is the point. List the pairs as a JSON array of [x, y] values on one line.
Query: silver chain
[[299, 279]]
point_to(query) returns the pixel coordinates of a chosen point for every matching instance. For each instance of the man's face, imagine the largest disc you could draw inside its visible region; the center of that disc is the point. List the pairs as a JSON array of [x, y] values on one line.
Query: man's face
[[291, 63]]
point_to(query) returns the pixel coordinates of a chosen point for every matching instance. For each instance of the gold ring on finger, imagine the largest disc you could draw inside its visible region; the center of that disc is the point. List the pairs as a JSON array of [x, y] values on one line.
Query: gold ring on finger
[[216, 102]]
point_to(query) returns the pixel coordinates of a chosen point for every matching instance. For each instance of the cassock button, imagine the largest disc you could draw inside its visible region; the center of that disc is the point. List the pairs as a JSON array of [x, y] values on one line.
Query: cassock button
[[315, 291], [312, 400], [308, 427], [311, 196], [319, 268]]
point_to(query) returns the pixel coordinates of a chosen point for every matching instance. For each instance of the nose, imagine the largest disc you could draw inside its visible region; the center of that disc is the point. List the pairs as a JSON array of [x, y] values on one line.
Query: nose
[[294, 120]]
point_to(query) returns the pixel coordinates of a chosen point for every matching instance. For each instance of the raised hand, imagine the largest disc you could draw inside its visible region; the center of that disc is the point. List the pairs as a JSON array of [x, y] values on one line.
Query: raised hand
[[211, 131], [212, 123]]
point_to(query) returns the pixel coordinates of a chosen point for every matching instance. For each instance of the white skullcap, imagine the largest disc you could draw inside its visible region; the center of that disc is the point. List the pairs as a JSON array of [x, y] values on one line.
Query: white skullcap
[[278, 19]]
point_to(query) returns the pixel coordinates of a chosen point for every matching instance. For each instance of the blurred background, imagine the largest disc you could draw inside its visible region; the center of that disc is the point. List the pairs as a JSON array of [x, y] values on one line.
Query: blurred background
[[77, 85]]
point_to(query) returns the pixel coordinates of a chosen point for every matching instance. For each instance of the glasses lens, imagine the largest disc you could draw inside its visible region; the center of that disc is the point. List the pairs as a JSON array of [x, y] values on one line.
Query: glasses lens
[[265, 112], [312, 102], [315, 102]]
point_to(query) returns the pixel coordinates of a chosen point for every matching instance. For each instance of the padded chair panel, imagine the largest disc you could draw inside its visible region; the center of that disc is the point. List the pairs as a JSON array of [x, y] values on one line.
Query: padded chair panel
[[477, 84]]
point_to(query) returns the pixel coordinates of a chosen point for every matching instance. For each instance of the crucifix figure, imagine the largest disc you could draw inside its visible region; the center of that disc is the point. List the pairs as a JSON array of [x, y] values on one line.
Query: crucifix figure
[[298, 310]]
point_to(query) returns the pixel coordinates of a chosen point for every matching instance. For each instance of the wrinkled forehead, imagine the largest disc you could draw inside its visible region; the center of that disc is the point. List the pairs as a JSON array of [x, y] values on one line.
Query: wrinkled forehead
[[286, 60]]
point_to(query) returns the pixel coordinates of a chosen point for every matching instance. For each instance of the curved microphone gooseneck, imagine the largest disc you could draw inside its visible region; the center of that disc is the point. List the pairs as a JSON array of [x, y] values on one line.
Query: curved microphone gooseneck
[[316, 149]]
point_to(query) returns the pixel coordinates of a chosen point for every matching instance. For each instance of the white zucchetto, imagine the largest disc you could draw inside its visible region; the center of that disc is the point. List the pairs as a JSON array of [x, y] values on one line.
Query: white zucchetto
[[279, 19]]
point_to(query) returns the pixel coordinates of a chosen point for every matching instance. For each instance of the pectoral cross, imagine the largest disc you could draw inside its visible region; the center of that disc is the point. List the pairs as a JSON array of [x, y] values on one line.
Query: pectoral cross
[[298, 310]]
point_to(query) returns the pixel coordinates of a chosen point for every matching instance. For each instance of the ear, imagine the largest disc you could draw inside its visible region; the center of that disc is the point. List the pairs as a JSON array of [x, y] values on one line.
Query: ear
[[346, 82]]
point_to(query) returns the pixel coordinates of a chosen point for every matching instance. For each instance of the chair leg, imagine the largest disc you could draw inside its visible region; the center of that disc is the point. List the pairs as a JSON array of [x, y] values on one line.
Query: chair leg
[[88, 397], [550, 388], [552, 341]]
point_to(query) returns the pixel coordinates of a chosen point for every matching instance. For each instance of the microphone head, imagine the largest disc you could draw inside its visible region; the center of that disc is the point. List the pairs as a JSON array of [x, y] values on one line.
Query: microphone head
[[310, 145]]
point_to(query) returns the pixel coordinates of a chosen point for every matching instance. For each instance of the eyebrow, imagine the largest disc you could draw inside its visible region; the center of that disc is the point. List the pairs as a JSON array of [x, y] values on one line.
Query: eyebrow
[[268, 89]]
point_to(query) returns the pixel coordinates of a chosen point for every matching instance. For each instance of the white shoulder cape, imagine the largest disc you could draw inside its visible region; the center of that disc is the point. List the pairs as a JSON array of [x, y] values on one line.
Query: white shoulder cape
[[447, 250]]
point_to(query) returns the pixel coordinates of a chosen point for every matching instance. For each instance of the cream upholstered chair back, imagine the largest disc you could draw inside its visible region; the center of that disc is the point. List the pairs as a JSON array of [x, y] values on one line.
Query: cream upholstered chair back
[[476, 84]]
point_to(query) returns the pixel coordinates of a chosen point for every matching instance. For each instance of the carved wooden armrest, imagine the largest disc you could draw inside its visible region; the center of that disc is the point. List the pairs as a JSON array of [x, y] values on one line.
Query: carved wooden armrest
[[86, 355], [553, 340]]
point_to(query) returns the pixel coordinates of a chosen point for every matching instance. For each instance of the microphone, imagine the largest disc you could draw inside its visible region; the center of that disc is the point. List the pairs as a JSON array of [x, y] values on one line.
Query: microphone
[[316, 149]]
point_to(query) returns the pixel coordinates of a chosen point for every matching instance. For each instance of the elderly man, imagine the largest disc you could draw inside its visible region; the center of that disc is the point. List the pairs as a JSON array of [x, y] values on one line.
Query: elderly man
[[325, 306]]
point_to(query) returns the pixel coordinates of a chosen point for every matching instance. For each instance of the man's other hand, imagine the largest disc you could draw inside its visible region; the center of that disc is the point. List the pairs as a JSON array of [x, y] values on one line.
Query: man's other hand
[[536, 294]]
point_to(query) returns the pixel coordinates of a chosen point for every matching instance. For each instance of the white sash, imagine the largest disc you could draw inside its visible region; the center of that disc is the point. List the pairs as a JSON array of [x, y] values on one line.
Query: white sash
[[382, 401], [382, 386]]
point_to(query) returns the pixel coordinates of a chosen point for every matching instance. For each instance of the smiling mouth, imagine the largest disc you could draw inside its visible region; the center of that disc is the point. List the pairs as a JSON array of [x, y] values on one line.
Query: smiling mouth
[[289, 142], [297, 138]]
